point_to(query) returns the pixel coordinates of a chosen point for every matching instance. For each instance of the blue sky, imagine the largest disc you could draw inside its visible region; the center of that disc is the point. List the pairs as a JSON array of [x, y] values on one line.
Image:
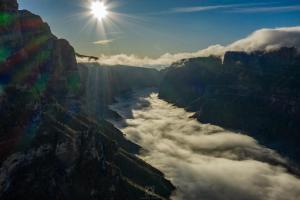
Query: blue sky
[[154, 27]]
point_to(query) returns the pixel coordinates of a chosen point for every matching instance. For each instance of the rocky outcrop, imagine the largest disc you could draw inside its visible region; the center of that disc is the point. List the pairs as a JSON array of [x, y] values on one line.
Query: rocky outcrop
[[31, 54], [104, 83], [89, 58], [257, 93], [49, 149]]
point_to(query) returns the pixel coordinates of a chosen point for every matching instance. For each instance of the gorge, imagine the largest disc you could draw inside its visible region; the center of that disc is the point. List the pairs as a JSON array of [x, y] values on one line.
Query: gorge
[[202, 160], [202, 128]]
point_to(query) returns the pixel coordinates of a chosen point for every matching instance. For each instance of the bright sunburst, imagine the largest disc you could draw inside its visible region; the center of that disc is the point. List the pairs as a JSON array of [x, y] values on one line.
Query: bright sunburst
[[99, 10]]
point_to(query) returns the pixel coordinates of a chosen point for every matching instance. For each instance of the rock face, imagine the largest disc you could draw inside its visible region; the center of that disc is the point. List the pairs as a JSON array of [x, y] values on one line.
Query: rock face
[[104, 83], [8, 5], [49, 149], [257, 93]]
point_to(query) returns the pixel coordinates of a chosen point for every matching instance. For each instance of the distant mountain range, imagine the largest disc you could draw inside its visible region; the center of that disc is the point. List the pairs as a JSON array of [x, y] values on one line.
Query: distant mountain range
[[257, 93]]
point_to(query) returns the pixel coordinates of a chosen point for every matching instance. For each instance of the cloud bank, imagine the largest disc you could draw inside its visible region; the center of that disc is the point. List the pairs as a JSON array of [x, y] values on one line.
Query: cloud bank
[[262, 39], [205, 162]]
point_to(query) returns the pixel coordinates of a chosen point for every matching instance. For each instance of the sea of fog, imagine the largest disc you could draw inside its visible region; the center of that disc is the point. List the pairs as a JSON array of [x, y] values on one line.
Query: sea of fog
[[203, 161]]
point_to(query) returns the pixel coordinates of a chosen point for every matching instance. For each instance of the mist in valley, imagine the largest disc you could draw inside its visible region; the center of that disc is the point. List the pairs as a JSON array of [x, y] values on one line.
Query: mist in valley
[[203, 161]]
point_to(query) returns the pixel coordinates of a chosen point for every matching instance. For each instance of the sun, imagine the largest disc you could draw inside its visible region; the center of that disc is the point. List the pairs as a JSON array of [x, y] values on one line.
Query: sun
[[99, 10]]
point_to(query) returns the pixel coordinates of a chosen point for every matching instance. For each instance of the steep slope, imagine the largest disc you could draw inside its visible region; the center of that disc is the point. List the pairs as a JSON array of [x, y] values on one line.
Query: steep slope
[[257, 93], [104, 83], [73, 157], [48, 148], [36, 68]]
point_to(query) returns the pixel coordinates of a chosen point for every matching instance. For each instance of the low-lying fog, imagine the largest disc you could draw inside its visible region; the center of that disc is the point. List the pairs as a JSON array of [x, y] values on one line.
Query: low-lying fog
[[203, 161]]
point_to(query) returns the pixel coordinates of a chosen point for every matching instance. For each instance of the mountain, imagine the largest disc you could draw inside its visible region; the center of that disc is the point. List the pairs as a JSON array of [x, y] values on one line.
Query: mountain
[[257, 93], [104, 83], [49, 147]]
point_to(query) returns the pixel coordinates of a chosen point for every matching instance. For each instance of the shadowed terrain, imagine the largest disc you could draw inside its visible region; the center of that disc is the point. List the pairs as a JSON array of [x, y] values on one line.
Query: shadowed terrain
[[49, 147]]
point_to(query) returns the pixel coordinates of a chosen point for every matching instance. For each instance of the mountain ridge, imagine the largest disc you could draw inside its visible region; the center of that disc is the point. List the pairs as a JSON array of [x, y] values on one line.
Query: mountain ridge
[[256, 93]]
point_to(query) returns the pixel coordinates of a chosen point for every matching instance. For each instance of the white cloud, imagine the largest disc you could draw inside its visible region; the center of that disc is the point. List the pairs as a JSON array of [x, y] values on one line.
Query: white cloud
[[262, 39], [204, 161], [198, 8], [266, 9], [103, 42], [227, 7], [268, 39]]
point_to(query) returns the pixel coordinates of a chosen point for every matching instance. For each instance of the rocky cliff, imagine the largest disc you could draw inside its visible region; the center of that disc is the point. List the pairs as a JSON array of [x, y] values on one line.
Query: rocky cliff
[[256, 93], [49, 149]]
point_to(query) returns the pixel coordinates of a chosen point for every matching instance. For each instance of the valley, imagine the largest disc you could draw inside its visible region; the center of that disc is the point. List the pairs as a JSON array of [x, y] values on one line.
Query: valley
[[202, 160]]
